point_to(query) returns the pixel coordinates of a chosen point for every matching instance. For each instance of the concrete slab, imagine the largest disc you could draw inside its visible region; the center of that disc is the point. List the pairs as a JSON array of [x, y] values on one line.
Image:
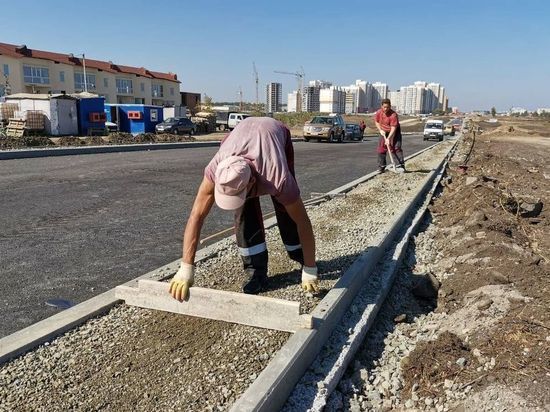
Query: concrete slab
[[251, 310]]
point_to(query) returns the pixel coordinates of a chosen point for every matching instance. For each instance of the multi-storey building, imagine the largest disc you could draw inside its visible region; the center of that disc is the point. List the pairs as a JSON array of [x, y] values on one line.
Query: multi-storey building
[[310, 100], [332, 100], [27, 70], [292, 102], [353, 94], [395, 97], [362, 103], [411, 99], [433, 93], [274, 97], [379, 92]]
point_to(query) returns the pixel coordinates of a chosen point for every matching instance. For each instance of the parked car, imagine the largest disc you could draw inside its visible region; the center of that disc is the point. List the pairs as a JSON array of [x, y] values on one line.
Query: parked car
[[111, 127], [177, 125], [331, 128], [353, 131], [433, 130]]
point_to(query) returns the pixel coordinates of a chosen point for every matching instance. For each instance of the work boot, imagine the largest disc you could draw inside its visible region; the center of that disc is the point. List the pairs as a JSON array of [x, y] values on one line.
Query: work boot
[[381, 169], [400, 168], [256, 282]]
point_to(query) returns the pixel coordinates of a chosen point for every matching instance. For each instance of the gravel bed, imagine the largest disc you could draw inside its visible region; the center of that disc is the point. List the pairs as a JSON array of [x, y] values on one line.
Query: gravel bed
[[139, 359], [374, 380]]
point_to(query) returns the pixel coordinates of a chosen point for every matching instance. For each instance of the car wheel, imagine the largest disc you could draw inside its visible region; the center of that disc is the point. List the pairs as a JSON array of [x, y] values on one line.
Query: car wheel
[[440, 139], [191, 132], [176, 131]]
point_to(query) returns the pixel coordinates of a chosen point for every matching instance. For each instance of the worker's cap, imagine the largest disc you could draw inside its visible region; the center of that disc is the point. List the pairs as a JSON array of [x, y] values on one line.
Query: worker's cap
[[232, 177]]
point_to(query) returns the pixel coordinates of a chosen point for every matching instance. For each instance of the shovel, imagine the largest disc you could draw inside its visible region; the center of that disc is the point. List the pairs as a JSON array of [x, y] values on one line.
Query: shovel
[[394, 168]]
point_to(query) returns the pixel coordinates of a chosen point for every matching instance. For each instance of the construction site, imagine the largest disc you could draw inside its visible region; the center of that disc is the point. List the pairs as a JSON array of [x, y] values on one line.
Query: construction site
[[434, 296]]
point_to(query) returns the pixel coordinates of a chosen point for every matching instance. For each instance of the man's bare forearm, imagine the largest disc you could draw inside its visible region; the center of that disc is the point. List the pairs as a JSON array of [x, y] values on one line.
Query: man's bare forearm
[[307, 239], [191, 237]]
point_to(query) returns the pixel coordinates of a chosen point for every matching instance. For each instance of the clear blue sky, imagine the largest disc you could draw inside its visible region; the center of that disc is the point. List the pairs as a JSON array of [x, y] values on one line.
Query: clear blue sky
[[486, 53]]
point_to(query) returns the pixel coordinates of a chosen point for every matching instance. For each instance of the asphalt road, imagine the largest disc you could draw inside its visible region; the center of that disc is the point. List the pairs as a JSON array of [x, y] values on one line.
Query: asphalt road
[[73, 227]]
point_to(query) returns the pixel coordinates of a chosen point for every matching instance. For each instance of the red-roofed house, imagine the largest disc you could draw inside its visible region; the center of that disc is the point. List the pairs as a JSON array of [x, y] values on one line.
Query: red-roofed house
[[24, 70]]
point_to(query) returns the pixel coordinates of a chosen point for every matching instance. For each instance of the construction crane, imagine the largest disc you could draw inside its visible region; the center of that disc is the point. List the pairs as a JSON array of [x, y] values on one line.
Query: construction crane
[[300, 79], [256, 79]]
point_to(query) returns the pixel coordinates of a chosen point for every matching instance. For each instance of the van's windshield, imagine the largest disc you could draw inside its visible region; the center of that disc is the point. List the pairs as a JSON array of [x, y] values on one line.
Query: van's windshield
[[434, 126]]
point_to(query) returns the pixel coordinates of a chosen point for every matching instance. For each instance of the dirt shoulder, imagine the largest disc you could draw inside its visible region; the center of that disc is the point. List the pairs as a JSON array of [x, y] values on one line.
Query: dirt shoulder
[[492, 236], [466, 326]]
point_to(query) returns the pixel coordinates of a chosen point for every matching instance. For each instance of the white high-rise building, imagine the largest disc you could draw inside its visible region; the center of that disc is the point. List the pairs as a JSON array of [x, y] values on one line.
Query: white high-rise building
[[332, 100], [433, 93], [443, 100], [395, 98], [292, 103], [274, 97], [411, 99], [420, 97], [362, 104], [379, 92]]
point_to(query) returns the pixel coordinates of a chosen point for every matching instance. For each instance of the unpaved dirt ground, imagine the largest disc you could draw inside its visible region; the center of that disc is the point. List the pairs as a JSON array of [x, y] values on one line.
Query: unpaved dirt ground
[[494, 242], [8, 143], [478, 338]]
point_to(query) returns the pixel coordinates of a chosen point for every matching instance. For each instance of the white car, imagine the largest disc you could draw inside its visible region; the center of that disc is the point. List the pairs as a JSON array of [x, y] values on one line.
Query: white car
[[111, 127]]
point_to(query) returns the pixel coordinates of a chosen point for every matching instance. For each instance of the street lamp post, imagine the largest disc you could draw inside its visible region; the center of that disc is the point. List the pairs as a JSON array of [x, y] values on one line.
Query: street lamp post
[[84, 70]]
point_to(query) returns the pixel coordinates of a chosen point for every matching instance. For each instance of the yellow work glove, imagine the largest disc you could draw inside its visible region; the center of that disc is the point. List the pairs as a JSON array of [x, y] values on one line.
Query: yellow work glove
[[182, 281], [310, 280]]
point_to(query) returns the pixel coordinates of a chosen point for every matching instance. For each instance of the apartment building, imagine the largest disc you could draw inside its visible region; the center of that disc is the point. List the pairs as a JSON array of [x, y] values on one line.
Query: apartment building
[[378, 93], [395, 97], [292, 101], [332, 100], [411, 99], [274, 97], [26, 70], [310, 99], [353, 95]]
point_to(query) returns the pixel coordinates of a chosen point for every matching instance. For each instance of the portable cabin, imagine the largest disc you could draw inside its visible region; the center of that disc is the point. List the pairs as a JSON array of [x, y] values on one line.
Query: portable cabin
[[134, 118], [91, 113], [59, 110]]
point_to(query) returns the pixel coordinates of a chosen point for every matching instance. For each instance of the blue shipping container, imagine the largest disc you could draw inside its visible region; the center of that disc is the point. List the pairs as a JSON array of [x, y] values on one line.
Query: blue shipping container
[[88, 108]]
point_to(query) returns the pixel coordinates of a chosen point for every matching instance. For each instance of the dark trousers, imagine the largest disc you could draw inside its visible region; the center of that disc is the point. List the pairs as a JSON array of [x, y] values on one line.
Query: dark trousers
[[250, 233], [395, 149]]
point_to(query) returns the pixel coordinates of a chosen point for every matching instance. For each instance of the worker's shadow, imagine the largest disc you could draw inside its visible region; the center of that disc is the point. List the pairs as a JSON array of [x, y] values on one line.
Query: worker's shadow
[[329, 270], [425, 171]]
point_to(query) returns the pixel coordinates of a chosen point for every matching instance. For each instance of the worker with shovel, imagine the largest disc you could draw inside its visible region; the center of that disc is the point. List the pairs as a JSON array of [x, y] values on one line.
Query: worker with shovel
[[255, 159], [390, 140]]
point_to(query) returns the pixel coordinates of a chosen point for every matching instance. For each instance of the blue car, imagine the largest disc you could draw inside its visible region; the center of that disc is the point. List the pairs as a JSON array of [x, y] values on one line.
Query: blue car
[[353, 132]]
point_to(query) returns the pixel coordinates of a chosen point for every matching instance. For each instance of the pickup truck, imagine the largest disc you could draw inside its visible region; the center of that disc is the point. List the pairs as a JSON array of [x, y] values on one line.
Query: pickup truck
[[228, 120]]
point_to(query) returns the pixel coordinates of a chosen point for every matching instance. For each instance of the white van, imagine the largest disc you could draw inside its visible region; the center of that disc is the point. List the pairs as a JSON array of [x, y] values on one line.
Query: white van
[[433, 129]]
